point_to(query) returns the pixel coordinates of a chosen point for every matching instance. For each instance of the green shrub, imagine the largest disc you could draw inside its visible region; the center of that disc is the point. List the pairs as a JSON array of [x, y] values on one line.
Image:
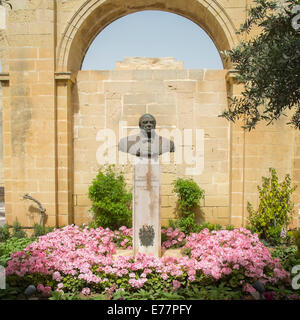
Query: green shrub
[[12, 245], [271, 219], [230, 227], [189, 195], [207, 225], [39, 230], [18, 232], [111, 201], [286, 256], [4, 233]]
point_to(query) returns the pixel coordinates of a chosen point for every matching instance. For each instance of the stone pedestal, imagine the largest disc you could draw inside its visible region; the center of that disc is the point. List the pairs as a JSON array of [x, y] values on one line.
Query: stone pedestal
[[146, 207]]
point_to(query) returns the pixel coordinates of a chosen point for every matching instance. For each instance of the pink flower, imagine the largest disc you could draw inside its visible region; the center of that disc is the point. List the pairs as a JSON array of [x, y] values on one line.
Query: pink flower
[[74, 251], [164, 276], [176, 284], [226, 270], [56, 276], [86, 291], [248, 288], [40, 287], [60, 285], [47, 289]]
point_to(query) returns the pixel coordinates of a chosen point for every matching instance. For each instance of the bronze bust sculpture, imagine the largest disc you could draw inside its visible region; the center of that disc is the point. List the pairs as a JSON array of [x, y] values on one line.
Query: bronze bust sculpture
[[147, 143]]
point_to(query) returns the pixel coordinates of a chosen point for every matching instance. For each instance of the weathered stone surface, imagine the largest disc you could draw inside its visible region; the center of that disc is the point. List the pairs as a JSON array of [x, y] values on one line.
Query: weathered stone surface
[[146, 207]]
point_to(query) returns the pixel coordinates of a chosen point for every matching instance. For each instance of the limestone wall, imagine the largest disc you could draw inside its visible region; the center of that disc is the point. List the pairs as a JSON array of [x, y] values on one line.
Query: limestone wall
[[233, 161], [180, 100], [1, 142]]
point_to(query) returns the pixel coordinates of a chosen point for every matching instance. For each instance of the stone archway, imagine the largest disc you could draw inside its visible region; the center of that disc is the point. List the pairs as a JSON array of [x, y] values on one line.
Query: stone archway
[[93, 16], [85, 25], [44, 44]]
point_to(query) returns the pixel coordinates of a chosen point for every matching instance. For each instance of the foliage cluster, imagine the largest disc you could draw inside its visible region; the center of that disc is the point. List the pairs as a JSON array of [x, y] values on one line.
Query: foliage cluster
[[10, 246], [287, 256], [189, 195], [273, 215], [111, 202], [268, 65]]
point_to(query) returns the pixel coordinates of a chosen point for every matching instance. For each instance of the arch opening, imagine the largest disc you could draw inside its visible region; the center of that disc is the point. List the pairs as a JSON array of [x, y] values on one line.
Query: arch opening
[[152, 34], [94, 16]]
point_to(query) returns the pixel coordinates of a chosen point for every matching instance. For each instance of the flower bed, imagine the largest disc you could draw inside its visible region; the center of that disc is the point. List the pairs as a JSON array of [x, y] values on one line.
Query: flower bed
[[81, 260]]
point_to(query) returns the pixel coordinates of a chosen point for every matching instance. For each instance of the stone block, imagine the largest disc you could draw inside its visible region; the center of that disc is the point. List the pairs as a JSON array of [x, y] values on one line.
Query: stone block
[[122, 87], [214, 74], [216, 201], [182, 74], [165, 98], [22, 65], [142, 74], [168, 213], [83, 200], [166, 189], [222, 212], [44, 53], [236, 221], [134, 109], [207, 212], [164, 74], [98, 75], [82, 75], [63, 220], [180, 86], [44, 65], [40, 89], [120, 75], [196, 74], [87, 87], [220, 178], [168, 178], [163, 109], [146, 86], [204, 98], [22, 53], [212, 86], [139, 98]]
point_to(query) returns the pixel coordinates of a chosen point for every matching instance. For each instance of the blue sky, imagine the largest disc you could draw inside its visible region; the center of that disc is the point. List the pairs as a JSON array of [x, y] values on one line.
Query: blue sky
[[152, 34]]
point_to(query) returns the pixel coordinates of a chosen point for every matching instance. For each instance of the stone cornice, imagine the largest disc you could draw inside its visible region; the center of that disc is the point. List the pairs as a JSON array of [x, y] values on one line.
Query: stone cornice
[[65, 76], [231, 76]]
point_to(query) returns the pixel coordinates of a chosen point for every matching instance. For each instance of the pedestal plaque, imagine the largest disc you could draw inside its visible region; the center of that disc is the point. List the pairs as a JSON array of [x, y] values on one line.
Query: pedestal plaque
[[146, 207]]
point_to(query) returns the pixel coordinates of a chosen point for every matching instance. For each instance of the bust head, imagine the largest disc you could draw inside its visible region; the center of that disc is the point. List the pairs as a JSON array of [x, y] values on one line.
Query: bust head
[[155, 146], [147, 123]]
